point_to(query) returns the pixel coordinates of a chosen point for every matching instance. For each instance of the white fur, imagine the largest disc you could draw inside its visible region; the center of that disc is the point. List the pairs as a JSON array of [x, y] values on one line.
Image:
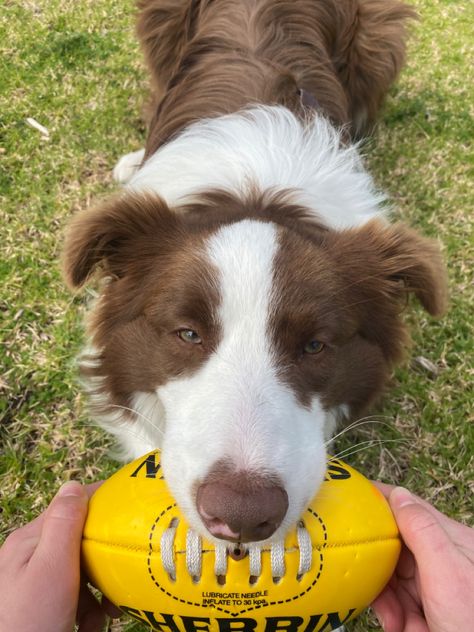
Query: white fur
[[271, 148], [135, 438], [235, 407], [128, 165]]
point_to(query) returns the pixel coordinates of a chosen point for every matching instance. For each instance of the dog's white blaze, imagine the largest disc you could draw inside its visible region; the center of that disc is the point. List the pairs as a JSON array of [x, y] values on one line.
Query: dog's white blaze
[[244, 253], [235, 407]]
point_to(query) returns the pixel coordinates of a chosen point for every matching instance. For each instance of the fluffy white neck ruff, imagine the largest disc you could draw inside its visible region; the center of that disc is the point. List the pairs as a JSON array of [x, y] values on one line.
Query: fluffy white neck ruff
[[267, 147]]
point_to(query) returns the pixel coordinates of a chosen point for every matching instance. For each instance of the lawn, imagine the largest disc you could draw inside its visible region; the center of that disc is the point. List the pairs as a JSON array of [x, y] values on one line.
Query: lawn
[[75, 67]]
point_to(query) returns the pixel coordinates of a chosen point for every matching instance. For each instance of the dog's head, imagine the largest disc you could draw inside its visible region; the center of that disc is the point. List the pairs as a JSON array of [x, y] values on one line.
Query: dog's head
[[238, 332]]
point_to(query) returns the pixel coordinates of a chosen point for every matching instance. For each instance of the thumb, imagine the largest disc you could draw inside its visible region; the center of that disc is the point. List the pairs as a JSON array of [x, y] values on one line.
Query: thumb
[[421, 531], [61, 531]]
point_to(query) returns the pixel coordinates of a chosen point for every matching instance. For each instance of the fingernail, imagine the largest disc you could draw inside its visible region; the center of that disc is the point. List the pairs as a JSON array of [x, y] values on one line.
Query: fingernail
[[400, 497], [71, 488]]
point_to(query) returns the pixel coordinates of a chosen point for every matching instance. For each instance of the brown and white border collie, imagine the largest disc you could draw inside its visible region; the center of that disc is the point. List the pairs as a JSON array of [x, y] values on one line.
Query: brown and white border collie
[[252, 285]]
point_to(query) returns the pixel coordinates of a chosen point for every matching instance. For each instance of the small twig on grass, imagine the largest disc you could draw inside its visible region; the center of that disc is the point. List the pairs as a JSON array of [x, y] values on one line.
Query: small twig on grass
[[41, 128]]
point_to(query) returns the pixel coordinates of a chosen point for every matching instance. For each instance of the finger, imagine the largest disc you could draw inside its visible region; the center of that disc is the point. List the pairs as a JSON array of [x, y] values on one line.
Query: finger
[[413, 614], [421, 531], [406, 564], [33, 528], [385, 488], [90, 615], [388, 611], [91, 488], [61, 532], [451, 526], [459, 532]]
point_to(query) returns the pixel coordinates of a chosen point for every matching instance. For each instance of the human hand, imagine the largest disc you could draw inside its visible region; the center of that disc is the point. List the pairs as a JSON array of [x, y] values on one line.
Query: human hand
[[432, 589], [40, 585]]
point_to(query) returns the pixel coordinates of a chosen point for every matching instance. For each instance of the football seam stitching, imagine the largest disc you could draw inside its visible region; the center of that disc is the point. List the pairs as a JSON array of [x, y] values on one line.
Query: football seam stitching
[[256, 607]]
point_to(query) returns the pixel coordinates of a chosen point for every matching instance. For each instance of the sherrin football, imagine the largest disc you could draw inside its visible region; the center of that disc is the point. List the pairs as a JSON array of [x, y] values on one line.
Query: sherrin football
[[139, 551]]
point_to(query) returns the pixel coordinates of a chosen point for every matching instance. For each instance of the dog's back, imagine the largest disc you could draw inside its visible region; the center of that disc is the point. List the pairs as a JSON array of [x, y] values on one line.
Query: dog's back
[[209, 58]]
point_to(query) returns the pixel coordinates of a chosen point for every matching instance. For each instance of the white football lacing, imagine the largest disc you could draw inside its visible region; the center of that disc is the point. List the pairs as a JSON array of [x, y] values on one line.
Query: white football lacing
[[194, 555]]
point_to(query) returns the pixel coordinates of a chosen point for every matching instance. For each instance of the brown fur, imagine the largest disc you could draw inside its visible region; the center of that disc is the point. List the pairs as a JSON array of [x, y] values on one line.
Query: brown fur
[[209, 58], [347, 289], [146, 255]]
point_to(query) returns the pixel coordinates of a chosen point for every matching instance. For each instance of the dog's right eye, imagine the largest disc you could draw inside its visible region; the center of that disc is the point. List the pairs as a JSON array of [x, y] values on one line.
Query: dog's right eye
[[313, 347], [188, 335]]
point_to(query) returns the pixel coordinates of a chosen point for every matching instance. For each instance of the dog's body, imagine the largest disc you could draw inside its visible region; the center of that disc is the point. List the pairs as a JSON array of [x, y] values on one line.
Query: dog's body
[[253, 285]]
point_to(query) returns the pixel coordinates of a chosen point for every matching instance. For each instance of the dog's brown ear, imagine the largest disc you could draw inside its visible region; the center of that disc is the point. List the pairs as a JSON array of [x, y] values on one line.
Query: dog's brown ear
[[393, 260], [119, 231]]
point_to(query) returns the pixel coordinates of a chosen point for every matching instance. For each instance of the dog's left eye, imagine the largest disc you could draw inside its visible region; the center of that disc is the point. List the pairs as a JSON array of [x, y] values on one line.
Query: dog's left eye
[[188, 335], [314, 346]]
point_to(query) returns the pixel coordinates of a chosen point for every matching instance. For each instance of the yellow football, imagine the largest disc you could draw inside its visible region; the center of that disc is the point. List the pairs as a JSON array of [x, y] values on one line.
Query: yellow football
[[139, 551]]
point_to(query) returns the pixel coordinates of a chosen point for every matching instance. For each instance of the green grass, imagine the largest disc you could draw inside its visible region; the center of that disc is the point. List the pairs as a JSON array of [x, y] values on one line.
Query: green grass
[[76, 68]]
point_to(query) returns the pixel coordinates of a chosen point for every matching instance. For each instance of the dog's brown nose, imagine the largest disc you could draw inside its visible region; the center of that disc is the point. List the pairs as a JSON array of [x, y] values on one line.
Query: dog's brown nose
[[242, 508]]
